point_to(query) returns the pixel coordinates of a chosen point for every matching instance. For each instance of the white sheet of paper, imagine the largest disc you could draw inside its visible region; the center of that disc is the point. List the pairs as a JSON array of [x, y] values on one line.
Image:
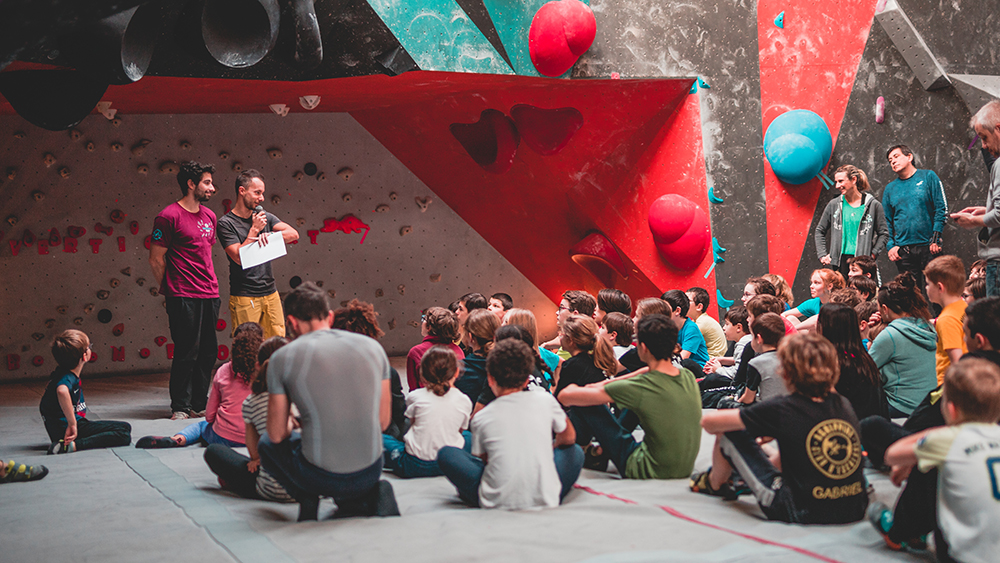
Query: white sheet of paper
[[254, 254]]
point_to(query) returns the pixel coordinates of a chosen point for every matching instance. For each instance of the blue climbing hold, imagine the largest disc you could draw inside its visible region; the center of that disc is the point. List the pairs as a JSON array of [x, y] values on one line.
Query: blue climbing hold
[[712, 197], [702, 83], [716, 248], [780, 20], [694, 87], [798, 145], [722, 301]]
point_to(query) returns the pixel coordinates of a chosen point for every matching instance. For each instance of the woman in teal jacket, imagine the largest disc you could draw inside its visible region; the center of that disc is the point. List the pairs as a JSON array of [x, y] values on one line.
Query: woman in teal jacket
[[904, 350]]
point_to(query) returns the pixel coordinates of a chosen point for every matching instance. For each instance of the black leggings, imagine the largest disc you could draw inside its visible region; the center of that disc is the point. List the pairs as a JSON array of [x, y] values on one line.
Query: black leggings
[[231, 468], [94, 434]]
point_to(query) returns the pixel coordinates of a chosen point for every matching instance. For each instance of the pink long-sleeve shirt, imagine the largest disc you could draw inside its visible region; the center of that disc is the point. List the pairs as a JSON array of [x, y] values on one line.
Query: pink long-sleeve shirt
[[225, 404]]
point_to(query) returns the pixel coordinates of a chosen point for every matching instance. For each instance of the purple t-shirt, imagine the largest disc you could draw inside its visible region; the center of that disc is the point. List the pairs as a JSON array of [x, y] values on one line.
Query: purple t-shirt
[[188, 238]]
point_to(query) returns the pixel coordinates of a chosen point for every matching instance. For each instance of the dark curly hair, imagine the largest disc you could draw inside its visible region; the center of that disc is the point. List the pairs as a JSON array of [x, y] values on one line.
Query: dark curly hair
[[359, 317], [246, 343], [903, 297], [269, 347]]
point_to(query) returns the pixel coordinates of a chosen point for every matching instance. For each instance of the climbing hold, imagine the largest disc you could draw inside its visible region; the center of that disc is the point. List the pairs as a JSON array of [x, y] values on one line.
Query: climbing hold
[[107, 231], [142, 169], [300, 221], [423, 202], [546, 131], [48, 160], [880, 6], [680, 230], [309, 102], [310, 169], [64, 172], [223, 155], [780, 20], [169, 167], [11, 173], [116, 146], [37, 361], [599, 256], [75, 134], [560, 32], [19, 135], [223, 353], [90, 146], [383, 208], [140, 147], [220, 325], [117, 216], [50, 323], [703, 84], [319, 283], [346, 197], [298, 175], [880, 110], [275, 199], [345, 173], [88, 308], [321, 176], [491, 141], [38, 195], [54, 238], [393, 196], [12, 220], [185, 145], [401, 289], [712, 197], [118, 329], [154, 292], [716, 247], [28, 238], [294, 282], [73, 231], [78, 321], [160, 340], [62, 309], [144, 353], [117, 120], [348, 224], [435, 278], [332, 293], [722, 301], [798, 145], [279, 109], [237, 167], [274, 153], [38, 336], [392, 323], [140, 282], [103, 294], [379, 292], [405, 230], [115, 282]]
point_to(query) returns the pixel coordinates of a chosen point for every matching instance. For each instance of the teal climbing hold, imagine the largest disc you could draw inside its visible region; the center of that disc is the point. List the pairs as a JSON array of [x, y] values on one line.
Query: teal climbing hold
[[712, 197], [780, 20], [702, 83], [722, 301], [694, 87], [716, 248]]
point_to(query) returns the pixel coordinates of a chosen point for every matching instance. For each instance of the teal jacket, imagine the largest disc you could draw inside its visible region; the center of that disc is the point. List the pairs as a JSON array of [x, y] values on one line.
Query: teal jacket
[[904, 354]]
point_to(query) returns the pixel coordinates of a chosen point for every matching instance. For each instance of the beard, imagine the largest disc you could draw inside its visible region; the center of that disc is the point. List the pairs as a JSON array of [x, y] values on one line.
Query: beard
[[202, 196]]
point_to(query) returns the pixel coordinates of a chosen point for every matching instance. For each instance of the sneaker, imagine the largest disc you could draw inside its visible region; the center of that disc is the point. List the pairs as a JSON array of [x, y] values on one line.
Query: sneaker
[[700, 483], [880, 516], [594, 458], [155, 442], [21, 472], [195, 414], [62, 448], [179, 415]]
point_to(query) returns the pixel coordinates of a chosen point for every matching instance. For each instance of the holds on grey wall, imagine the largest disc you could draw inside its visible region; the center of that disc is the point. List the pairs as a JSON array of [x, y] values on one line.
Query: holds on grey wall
[[48, 159], [140, 282], [114, 283], [90, 146], [64, 172], [154, 292], [38, 336], [392, 196], [78, 321], [401, 289], [185, 145], [382, 208], [169, 167], [423, 202], [300, 221], [116, 121], [103, 294], [320, 176], [11, 173], [405, 230], [435, 278], [140, 147], [346, 197], [50, 323], [310, 168], [298, 175], [116, 146], [345, 173], [75, 134], [117, 216], [275, 199], [237, 166], [223, 155], [379, 292], [62, 309], [104, 316], [19, 135], [274, 153], [38, 195], [88, 308], [142, 169]]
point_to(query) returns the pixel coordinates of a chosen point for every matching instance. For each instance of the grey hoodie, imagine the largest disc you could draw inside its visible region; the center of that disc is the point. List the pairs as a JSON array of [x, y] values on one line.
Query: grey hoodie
[[873, 233], [904, 353]]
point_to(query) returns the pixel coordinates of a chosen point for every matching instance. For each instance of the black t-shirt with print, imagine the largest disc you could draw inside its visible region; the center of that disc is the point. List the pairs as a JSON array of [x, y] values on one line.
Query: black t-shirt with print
[[820, 454], [579, 369]]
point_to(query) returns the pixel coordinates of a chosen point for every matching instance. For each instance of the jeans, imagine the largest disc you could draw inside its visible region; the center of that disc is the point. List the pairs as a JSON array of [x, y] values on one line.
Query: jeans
[[993, 278], [617, 442], [231, 468], [465, 470], [203, 431], [192, 328], [305, 482], [877, 434], [94, 434], [402, 464]]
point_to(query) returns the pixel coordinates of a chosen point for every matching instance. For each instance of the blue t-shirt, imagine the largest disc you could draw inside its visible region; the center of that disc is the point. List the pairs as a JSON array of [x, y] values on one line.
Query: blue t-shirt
[[691, 339], [550, 358], [809, 307], [914, 208], [49, 406]]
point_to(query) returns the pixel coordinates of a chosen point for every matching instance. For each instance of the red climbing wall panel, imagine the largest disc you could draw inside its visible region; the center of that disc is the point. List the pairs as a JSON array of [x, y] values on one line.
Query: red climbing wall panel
[[810, 64]]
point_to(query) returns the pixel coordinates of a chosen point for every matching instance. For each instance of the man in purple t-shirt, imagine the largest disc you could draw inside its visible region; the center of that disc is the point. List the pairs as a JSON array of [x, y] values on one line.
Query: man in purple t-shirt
[[180, 254]]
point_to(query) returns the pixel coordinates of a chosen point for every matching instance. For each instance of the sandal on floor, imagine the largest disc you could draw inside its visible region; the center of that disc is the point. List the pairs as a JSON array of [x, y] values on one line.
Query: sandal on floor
[[700, 483]]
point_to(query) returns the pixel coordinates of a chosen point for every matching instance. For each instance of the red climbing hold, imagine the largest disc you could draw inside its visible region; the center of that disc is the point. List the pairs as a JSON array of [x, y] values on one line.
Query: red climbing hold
[[220, 325], [37, 361], [560, 32], [144, 353], [118, 216], [680, 230], [118, 329], [491, 142], [160, 340], [133, 227], [546, 131], [13, 362], [598, 255], [223, 354], [348, 224], [75, 232]]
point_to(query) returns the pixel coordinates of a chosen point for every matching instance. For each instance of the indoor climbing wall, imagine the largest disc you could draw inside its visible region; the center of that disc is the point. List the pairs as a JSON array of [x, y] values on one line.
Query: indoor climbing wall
[[82, 204]]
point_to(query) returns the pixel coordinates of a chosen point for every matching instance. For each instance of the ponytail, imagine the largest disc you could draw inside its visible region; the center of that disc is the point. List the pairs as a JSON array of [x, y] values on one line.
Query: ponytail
[[856, 174], [604, 357], [583, 332]]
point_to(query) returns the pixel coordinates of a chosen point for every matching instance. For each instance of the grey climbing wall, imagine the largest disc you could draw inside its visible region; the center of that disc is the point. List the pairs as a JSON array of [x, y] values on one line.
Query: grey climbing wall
[[410, 259], [718, 42]]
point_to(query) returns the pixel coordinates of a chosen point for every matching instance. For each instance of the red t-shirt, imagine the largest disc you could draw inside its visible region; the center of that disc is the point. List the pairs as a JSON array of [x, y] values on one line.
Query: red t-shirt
[[188, 238]]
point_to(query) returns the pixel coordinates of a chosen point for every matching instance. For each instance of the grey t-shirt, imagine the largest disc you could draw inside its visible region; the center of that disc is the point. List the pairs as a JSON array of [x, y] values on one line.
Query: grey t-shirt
[[252, 282], [334, 377], [771, 384]]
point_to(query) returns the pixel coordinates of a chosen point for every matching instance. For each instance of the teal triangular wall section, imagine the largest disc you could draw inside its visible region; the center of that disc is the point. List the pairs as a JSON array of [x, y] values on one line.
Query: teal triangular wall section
[[513, 20], [480, 16], [439, 35]]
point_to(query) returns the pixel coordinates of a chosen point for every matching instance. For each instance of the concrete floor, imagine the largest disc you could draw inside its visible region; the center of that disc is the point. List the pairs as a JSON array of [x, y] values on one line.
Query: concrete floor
[[165, 505]]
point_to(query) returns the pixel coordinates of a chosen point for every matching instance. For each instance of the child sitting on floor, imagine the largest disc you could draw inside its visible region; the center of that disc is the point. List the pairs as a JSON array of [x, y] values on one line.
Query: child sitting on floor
[[438, 413], [617, 329], [719, 372], [438, 326], [223, 422], [965, 453], [63, 408], [515, 464], [818, 477], [239, 473], [665, 399]]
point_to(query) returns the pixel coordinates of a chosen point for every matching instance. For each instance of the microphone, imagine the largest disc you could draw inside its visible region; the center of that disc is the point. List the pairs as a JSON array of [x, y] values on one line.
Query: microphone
[[260, 209]]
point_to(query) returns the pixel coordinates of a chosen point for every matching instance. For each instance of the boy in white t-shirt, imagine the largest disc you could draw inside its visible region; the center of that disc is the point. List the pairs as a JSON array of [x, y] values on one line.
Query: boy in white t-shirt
[[515, 464], [966, 454], [439, 414]]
